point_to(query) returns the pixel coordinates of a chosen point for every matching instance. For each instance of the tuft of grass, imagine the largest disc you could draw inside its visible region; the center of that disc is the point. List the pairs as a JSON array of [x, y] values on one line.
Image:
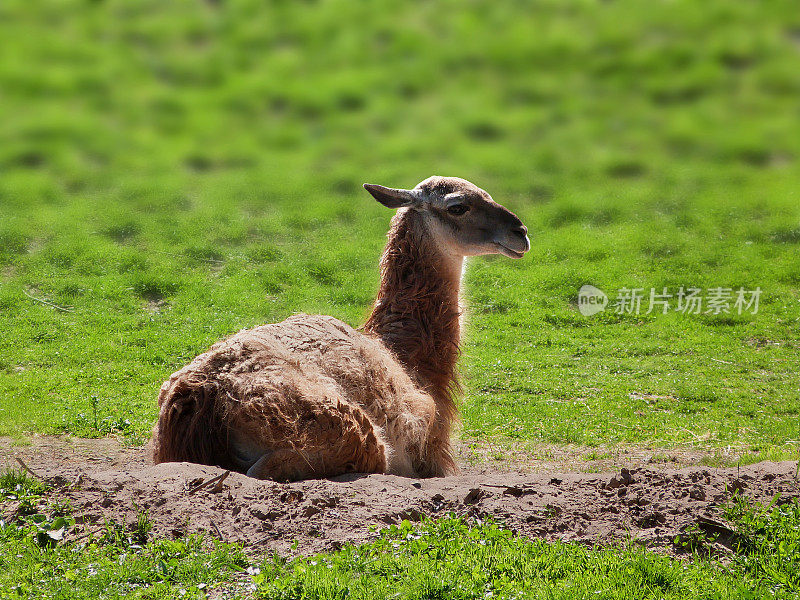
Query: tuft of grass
[[14, 482], [18, 485], [767, 541]]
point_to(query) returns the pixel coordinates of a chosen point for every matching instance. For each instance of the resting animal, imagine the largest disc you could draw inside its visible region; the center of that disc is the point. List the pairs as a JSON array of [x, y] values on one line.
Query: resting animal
[[312, 397]]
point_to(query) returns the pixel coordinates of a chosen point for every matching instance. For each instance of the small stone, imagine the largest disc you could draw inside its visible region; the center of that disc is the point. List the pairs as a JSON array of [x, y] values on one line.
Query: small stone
[[737, 487], [624, 478], [650, 519], [474, 495], [328, 502], [697, 493], [260, 511], [310, 511]]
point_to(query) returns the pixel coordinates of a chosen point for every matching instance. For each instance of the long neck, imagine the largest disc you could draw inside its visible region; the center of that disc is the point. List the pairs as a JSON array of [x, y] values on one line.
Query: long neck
[[416, 313]]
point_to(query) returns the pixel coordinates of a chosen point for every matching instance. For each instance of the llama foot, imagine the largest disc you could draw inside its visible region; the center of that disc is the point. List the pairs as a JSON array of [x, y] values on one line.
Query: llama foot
[[276, 464]]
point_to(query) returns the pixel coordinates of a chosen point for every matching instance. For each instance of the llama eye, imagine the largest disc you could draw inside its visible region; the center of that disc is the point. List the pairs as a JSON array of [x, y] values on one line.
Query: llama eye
[[457, 209]]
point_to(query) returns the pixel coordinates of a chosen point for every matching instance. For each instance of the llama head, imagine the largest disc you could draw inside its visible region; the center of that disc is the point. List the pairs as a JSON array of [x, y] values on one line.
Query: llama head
[[461, 217]]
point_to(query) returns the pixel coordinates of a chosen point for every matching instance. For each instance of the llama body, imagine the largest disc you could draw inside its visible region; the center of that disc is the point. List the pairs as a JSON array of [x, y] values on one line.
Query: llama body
[[347, 400], [313, 397]]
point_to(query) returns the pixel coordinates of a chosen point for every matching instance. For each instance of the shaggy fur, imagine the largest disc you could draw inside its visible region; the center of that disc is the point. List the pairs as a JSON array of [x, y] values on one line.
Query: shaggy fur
[[307, 397], [417, 316], [312, 397]]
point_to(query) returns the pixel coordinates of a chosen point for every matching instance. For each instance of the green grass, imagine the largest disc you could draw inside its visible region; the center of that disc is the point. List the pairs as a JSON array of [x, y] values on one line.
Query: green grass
[[99, 569], [452, 559], [17, 486], [768, 542], [173, 172]]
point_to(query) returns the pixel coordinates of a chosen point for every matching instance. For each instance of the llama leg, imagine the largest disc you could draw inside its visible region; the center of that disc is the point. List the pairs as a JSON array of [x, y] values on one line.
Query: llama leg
[[286, 464], [339, 439]]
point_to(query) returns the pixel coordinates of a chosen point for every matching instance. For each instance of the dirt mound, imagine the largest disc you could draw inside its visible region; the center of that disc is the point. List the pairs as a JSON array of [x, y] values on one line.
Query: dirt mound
[[181, 498]]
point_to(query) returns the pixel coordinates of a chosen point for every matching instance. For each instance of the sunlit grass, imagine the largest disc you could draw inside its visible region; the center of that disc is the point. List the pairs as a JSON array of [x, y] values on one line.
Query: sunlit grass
[[451, 559], [173, 172]]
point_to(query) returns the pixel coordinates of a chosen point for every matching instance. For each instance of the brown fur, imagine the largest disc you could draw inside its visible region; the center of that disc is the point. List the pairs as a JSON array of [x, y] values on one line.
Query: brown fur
[[416, 315], [311, 387], [312, 397]]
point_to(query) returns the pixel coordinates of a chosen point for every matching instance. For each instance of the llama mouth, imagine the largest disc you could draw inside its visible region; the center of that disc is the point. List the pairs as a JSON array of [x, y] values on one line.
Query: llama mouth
[[506, 251]]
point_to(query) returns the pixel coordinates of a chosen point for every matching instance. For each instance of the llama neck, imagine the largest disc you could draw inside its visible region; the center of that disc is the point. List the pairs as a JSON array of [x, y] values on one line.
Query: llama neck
[[416, 313]]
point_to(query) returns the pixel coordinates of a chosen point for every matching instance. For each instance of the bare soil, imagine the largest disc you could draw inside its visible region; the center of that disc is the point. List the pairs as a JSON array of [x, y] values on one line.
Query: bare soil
[[643, 501]]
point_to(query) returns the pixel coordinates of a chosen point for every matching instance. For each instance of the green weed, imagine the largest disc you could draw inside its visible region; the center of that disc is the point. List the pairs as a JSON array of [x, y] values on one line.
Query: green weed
[[767, 541], [17, 485]]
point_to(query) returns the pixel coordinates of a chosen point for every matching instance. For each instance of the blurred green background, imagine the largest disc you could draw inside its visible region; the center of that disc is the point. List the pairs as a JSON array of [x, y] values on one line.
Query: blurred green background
[[171, 172]]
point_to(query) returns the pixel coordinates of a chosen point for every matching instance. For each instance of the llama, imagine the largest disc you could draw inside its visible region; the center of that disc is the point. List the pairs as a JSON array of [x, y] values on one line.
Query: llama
[[311, 397]]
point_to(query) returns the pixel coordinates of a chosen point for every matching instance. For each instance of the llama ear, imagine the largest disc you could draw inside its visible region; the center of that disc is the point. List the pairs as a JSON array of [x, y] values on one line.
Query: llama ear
[[391, 197]]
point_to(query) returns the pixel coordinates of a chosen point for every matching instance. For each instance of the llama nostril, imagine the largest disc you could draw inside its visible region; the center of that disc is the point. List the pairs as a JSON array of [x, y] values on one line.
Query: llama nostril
[[521, 231]]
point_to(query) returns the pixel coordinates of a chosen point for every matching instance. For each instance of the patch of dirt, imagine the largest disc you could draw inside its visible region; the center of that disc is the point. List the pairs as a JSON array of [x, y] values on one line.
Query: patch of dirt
[[552, 458], [646, 503]]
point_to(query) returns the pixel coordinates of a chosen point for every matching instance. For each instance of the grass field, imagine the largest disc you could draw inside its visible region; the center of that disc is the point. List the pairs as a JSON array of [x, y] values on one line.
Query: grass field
[[173, 172]]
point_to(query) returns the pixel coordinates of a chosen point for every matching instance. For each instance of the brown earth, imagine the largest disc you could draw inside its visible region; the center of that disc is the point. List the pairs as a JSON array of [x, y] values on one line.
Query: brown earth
[[644, 501]]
